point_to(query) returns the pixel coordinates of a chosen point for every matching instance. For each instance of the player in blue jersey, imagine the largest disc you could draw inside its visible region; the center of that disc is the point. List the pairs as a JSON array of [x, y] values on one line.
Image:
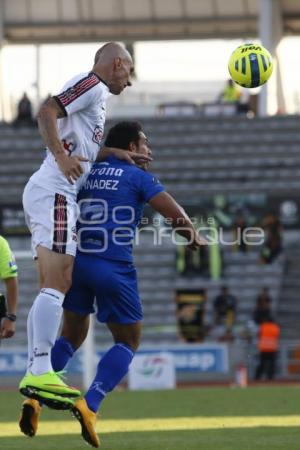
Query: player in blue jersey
[[111, 205]]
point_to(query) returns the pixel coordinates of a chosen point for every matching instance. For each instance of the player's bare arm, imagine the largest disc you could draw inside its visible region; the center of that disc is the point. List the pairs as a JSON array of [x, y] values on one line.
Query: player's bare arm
[[167, 206], [47, 117], [131, 157]]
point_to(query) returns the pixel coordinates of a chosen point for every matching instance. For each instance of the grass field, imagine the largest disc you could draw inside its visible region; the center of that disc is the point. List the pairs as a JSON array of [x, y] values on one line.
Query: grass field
[[257, 418]]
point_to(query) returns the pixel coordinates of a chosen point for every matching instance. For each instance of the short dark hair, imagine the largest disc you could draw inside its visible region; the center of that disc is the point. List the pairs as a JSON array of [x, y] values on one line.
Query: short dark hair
[[121, 134]]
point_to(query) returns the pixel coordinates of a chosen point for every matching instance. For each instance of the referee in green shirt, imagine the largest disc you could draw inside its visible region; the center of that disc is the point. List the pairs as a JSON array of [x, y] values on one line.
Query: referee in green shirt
[[9, 275]]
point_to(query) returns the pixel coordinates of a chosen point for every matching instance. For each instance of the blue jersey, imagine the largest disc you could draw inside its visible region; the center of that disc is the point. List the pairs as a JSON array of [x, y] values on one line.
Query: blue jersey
[[111, 203]]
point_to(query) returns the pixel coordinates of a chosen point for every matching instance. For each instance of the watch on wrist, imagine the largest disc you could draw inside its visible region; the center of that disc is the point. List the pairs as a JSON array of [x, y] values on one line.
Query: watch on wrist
[[11, 317]]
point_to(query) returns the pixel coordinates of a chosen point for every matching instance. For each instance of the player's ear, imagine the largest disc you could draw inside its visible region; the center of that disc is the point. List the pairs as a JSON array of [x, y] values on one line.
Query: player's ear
[[132, 147]]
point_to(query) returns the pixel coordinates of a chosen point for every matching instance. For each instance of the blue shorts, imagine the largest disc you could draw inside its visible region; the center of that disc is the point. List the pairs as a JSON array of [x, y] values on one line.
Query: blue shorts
[[113, 284]]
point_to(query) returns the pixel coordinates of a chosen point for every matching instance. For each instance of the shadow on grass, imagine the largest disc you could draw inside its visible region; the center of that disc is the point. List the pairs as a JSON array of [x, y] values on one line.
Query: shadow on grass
[[212, 402], [260, 438]]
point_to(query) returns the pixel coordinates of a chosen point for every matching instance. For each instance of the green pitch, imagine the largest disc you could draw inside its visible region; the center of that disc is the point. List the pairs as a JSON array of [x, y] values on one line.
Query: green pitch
[[260, 418]]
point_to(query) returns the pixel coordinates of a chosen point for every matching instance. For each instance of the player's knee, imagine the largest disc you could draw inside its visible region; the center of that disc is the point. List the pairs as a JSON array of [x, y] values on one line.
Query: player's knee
[[135, 346], [67, 283], [75, 328], [133, 342], [126, 334], [76, 340], [60, 283]]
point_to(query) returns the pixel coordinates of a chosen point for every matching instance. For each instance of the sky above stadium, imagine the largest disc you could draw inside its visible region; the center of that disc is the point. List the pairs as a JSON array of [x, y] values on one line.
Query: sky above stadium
[[155, 61]]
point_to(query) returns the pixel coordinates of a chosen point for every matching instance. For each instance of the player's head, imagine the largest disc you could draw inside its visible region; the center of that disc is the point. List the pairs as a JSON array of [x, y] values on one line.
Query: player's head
[[129, 136], [113, 63]]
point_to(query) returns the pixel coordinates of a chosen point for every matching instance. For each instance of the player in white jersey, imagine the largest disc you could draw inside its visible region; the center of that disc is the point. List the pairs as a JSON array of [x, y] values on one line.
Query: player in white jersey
[[83, 101], [71, 124]]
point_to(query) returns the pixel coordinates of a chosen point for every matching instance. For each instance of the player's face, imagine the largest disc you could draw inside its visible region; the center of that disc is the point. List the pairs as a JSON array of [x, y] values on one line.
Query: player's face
[[143, 149], [123, 71]]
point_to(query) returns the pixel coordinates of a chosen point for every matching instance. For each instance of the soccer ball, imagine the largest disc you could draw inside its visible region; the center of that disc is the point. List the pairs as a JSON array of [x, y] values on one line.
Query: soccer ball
[[250, 65]]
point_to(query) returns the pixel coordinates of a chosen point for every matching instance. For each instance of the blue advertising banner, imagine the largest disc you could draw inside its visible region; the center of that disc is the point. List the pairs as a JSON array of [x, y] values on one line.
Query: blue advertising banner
[[14, 362], [196, 357], [187, 358]]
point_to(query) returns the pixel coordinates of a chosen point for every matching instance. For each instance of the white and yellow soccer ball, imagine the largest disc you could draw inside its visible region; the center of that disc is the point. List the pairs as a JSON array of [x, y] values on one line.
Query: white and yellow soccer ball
[[250, 65]]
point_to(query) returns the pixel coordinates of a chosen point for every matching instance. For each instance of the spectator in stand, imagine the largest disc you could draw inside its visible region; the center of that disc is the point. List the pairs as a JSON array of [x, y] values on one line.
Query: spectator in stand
[[273, 241], [268, 343], [263, 307], [244, 105], [24, 116], [231, 93], [225, 308], [239, 227]]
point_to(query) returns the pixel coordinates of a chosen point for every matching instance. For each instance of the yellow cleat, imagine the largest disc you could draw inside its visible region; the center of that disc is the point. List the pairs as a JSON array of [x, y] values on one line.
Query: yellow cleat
[[29, 420], [87, 419]]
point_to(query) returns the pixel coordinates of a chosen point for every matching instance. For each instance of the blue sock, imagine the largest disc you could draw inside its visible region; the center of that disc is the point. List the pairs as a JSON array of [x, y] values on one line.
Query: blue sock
[[111, 369], [61, 352]]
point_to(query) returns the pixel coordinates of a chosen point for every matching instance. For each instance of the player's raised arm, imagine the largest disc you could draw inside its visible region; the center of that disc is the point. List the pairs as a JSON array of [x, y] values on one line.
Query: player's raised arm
[[47, 117], [131, 157], [165, 204], [47, 122]]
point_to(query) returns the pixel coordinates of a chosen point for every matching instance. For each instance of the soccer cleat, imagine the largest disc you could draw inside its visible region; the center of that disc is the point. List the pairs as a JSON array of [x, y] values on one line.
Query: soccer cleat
[[87, 419], [53, 401], [30, 415], [33, 386]]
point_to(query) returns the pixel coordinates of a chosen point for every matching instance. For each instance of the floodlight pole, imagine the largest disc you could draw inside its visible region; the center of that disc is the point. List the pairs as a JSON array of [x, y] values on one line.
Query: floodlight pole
[[270, 33]]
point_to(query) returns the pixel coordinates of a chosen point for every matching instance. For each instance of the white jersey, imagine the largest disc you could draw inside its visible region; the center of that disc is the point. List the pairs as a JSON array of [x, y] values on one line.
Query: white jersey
[[83, 99]]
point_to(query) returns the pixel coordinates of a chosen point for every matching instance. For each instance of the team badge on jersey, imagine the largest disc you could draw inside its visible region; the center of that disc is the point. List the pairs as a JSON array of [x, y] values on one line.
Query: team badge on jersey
[[68, 146], [97, 135], [155, 180], [12, 264]]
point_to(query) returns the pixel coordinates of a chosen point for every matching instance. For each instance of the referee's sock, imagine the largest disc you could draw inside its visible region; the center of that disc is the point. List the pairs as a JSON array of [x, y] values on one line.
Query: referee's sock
[[61, 353], [112, 367]]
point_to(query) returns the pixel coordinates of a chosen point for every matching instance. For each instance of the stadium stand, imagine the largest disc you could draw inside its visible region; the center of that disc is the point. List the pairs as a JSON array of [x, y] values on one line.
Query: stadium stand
[[211, 154], [193, 157], [158, 281], [288, 308]]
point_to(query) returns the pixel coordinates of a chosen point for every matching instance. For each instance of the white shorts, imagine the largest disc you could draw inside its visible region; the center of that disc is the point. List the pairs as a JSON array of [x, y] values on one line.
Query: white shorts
[[51, 219]]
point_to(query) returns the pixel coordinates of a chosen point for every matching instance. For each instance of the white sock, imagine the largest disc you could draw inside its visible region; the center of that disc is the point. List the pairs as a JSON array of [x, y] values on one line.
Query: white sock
[[46, 318], [30, 338]]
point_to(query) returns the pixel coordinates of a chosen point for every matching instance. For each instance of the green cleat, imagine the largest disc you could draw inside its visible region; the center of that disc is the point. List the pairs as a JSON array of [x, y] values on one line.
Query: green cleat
[[35, 386], [48, 399]]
